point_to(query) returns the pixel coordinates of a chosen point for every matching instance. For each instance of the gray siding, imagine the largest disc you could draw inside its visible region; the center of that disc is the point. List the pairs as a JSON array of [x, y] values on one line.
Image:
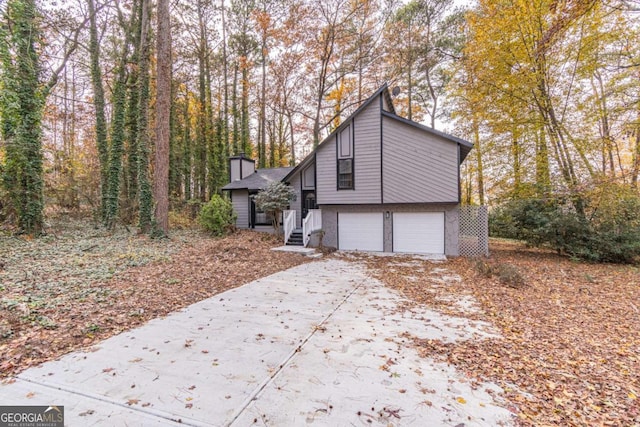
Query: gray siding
[[240, 201], [234, 172], [240, 169], [417, 167], [248, 167], [451, 219], [366, 155], [297, 203]]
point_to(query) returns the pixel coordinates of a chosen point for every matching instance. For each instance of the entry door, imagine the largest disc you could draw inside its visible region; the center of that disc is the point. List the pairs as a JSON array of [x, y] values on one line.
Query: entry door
[[360, 231], [308, 202], [418, 232]]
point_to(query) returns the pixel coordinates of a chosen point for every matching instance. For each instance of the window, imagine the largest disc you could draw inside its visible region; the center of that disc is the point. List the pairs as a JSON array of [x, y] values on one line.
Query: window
[[345, 143], [345, 174]]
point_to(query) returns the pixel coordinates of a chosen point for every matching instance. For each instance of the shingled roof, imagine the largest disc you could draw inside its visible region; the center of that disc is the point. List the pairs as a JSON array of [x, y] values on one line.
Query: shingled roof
[[259, 180]]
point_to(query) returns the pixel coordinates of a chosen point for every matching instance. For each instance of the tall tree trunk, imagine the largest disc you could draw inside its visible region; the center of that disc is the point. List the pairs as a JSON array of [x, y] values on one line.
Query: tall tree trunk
[[99, 105], [543, 178], [234, 112], [21, 106], [116, 146], [145, 199], [635, 171], [163, 111], [186, 156], [131, 170], [325, 59], [244, 132], [225, 70], [515, 157], [214, 135], [263, 109], [292, 139], [201, 129], [175, 147]]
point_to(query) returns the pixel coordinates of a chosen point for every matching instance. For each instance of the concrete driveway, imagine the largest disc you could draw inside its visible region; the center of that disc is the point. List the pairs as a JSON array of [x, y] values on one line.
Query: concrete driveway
[[316, 344]]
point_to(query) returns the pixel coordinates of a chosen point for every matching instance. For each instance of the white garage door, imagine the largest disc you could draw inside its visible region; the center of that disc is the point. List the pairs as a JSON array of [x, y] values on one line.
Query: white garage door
[[360, 231], [418, 232]]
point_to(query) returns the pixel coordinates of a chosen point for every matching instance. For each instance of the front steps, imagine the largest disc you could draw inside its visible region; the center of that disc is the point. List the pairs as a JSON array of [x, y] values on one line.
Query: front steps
[[296, 238]]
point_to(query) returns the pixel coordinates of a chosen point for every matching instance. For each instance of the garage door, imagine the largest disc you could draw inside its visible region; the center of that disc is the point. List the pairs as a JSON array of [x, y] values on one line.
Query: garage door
[[418, 232], [360, 231]]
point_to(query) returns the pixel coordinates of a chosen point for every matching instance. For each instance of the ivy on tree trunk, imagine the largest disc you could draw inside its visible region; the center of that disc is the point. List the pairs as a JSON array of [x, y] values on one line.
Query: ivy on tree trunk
[[21, 109]]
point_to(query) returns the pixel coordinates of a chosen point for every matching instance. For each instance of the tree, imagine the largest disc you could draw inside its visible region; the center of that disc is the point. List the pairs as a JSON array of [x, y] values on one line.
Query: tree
[[325, 51], [99, 105], [273, 200], [145, 201], [21, 107], [163, 111], [521, 59]]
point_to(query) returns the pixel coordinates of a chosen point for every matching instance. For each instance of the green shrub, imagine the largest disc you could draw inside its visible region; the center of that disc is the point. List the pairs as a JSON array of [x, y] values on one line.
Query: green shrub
[[607, 231], [217, 216]]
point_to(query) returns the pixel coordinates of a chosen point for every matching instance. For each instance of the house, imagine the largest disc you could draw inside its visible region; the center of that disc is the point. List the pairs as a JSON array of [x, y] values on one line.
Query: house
[[379, 182], [246, 181]]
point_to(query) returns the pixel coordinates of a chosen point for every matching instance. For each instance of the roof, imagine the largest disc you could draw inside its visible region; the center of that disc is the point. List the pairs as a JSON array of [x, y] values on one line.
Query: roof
[[384, 90], [465, 146], [259, 180]]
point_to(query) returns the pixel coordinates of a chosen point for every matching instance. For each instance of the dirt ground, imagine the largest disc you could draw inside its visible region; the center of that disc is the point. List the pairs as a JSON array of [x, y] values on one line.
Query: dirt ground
[[570, 348], [79, 285]]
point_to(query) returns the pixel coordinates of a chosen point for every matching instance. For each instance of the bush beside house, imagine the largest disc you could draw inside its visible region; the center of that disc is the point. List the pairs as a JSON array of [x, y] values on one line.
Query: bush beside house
[[217, 216]]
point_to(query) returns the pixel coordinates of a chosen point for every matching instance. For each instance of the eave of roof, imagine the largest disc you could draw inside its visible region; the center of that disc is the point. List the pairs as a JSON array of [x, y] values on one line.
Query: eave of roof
[[384, 89], [258, 180], [465, 146]]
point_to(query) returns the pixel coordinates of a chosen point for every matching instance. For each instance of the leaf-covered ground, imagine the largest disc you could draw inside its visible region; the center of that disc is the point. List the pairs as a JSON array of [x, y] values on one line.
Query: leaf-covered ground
[[79, 285], [570, 348]]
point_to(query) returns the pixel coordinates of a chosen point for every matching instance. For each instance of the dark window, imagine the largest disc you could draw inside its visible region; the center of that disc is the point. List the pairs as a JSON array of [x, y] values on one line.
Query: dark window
[[345, 174]]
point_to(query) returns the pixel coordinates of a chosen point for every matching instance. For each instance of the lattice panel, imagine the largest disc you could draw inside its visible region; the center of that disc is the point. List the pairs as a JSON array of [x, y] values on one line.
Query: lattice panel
[[474, 231]]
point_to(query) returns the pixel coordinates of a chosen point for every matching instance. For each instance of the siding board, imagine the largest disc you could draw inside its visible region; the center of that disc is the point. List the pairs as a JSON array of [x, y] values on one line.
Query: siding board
[[234, 170], [240, 202], [248, 167], [418, 167]]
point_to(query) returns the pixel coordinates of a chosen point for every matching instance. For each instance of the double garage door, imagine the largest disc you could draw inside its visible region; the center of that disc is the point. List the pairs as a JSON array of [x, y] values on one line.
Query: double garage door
[[413, 232]]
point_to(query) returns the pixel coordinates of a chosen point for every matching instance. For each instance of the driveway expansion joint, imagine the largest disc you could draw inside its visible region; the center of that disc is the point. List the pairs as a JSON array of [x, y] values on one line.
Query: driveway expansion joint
[[256, 392], [165, 416]]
